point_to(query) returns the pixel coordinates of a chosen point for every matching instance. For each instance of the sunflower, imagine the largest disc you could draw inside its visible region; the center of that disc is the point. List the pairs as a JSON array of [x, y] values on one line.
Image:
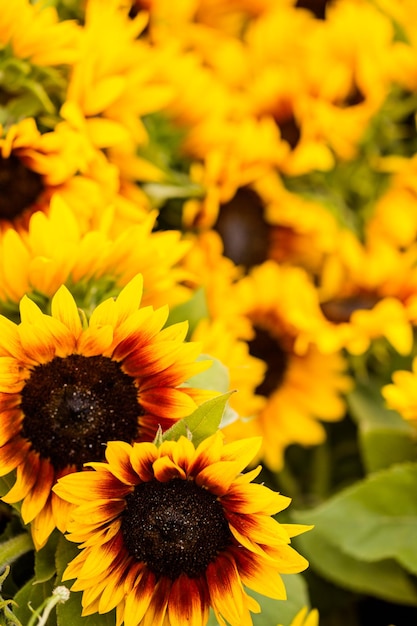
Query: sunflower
[[168, 532], [114, 86], [364, 306], [33, 165], [55, 250], [302, 385], [67, 389]]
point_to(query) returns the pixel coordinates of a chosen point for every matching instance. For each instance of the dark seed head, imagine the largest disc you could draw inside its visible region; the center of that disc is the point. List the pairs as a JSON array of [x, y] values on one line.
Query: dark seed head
[[264, 346], [73, 406], [19, 188], [243, 229], [174, 527]]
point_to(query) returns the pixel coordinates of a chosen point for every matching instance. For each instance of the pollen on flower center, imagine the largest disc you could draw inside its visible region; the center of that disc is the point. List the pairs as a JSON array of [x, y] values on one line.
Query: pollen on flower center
[[175, 527], [73, 406], [265, 347], [19, 187]]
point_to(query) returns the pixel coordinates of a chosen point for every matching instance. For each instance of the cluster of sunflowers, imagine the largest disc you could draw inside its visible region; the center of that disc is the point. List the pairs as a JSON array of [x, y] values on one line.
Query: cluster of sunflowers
[[208, 296]]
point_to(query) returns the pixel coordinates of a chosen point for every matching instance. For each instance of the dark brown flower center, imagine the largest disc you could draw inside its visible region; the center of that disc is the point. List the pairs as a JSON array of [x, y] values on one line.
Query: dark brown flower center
[[174, 527], [266, 347], [318, 7], [19, 187], [73, 406], [340, 309], [243, 229]]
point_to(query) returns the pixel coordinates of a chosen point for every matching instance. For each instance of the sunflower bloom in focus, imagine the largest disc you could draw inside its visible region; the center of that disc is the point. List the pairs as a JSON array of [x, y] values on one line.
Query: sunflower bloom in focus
[[66, 390], [169, 532]]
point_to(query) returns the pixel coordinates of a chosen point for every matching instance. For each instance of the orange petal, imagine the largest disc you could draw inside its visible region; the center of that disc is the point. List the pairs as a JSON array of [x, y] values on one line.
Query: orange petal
[[12, 454], [188, 604], [26, 476], [139, 599], [38, 496]]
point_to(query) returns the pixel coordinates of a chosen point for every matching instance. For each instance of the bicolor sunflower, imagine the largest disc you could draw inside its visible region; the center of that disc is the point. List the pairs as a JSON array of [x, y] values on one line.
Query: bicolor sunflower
[[66, 389], [166, 533], [303, 386]]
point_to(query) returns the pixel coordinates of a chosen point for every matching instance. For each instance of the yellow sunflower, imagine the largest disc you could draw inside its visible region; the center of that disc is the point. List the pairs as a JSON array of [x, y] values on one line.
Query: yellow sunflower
[[168, 532], [113, 86], [66, 389], [55, 250], [33, 165], [35, 32], [302, 385], [365, 305], [263, 220]]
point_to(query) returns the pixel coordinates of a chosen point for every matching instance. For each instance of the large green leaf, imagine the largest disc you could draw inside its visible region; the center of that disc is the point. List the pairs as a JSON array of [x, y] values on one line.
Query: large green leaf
[[373, 520], [202, 423], [385, 437], [382, 579]]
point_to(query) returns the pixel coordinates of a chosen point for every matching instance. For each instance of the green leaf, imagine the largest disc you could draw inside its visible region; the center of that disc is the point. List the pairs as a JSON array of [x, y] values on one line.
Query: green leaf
[[385, 437], [216, 377], [193, 310], [202, 423], [14, 548], [45, 567], [383, 579], [373, 520], [32, 595]]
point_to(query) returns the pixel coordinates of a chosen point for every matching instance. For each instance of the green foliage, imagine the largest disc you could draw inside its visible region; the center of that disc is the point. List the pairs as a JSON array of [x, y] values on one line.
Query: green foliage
[[385, 437], [202, 423], [365, 537], [382, 579], [32, 596], [28, 90], [193, 310]]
